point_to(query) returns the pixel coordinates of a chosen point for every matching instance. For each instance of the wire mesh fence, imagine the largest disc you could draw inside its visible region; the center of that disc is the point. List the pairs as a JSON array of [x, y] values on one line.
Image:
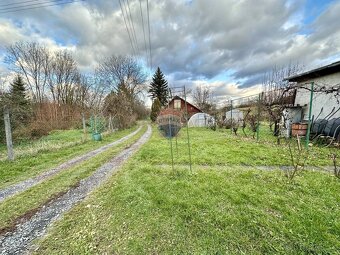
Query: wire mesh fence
[[23, 134]]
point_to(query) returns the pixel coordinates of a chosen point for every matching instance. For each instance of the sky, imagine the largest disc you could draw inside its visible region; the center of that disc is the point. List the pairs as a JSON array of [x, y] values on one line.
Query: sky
[[226, 45]]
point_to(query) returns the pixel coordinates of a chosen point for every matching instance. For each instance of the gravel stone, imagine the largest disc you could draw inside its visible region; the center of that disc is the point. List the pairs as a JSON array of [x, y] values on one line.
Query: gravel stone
[[19, 241], [24, 185]]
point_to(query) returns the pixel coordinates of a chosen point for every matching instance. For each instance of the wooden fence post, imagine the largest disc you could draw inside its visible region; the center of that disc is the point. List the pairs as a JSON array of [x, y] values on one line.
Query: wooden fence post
[[110, 124], [84, 125], [8, 131]]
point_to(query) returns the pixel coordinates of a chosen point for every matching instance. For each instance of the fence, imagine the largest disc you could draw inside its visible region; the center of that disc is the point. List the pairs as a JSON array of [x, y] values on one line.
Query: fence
[[18, 134]]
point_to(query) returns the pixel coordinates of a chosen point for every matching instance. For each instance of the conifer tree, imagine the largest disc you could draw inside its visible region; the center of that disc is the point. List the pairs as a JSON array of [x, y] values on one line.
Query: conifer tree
[[20, 105], [159, 87], [155, 109], [18, 93]]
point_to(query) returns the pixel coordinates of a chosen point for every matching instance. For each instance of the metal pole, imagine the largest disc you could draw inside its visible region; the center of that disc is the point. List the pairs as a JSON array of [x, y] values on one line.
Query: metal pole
[[8, 131], [231, 116], [186, 113], [258, 119], [170, 137], [310, 114], [176, 146]]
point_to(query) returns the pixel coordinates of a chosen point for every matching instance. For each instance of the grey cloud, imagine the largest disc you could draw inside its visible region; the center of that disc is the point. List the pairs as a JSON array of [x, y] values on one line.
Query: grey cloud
[[190, 41]]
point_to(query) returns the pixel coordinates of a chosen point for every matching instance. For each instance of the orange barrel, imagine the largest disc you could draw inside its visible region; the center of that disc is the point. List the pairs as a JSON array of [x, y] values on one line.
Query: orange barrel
[[299, 129]]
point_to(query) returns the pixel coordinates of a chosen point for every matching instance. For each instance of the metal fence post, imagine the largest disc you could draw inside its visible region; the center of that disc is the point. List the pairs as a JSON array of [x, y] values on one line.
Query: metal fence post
[[187, 120], [310, 114], [8, 131]]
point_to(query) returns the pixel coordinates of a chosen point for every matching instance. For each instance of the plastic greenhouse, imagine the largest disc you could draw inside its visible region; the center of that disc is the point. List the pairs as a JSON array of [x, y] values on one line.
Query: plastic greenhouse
[[201, 120], [236, 114]]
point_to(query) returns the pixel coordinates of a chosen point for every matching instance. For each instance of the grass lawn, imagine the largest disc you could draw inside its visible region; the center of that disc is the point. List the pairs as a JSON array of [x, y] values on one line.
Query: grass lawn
[[31, 165], [33, 198], [221, 147], [56, 139], [220, 208]]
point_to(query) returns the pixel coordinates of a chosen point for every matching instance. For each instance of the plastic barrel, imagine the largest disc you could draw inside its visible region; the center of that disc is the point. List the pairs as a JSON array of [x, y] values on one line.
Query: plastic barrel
[[97, 136]]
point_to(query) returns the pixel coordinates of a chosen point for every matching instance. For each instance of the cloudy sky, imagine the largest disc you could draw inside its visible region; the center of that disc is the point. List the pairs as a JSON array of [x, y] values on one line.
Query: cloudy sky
[[225, 44]]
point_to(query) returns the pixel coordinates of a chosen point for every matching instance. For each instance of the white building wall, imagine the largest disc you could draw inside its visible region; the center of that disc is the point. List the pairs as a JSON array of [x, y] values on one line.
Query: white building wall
[[320, 100]]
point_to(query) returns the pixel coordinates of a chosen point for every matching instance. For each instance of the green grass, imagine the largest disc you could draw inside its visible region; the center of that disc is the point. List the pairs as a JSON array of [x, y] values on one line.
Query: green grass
[[56, 139], [147, 209], [28, 166], [34, 197], [221, 147]]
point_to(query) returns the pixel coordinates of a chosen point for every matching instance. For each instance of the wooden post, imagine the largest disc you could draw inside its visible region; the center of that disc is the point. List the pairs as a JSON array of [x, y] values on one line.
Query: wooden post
[[110, 124], [258, 118], [84, 125], [8, 131], [231, 116]]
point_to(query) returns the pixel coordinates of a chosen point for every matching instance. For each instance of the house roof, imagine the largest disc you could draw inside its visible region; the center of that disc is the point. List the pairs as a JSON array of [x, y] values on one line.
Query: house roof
[[315, 73], [177, 97]]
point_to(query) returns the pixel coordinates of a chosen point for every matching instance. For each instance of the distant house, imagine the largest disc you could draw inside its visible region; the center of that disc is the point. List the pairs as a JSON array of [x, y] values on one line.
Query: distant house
[[325, 106], [178, 103]]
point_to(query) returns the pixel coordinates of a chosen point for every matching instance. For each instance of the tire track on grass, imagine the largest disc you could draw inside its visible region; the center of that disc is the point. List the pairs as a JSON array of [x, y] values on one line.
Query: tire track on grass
[[26, 184], [19, 240]]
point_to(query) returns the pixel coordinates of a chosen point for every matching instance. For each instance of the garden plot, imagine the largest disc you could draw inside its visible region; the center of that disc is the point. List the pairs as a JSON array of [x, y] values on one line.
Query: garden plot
[[221, 207]]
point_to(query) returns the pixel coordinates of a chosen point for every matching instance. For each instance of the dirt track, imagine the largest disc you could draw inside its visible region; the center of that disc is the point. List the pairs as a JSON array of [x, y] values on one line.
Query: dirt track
[[19, 240], [24, 185]]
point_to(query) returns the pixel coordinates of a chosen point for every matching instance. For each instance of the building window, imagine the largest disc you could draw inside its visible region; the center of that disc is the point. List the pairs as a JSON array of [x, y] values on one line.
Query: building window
[[177, 104]]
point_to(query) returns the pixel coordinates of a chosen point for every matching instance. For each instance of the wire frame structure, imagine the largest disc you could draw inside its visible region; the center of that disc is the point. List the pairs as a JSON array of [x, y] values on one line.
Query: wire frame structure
[[169, 123]]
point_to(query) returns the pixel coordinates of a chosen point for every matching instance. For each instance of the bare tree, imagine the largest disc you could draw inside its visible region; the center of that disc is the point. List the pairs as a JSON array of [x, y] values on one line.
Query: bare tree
[[118, 105], [122, 73], [278, 93], [31, 60], [202, 98], [63, 78]]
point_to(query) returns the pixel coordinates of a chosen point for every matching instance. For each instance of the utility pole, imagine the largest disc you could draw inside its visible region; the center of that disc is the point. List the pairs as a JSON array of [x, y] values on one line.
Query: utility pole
[[8, 131]]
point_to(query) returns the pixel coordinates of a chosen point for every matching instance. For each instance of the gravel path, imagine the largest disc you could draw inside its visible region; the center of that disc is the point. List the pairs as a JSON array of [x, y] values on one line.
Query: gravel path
[[19, 241], [24, 185]]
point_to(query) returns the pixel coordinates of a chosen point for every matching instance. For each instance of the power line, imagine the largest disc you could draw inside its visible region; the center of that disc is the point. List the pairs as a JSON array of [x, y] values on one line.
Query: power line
[[147, 8], [141, 14], [30, 5], [36, 6], [133, 26], [126, 26], [16, 3], [129, 26]]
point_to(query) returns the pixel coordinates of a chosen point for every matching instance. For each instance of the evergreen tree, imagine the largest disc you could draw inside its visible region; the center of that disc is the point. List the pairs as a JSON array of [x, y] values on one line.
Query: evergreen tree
[[18, 92], [159, 87], [20, 105], [155, 109]]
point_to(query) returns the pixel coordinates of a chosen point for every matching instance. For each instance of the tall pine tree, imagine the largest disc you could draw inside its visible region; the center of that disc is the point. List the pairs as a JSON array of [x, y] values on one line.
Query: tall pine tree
[[159, 87], [20, 105], [18, 93]]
